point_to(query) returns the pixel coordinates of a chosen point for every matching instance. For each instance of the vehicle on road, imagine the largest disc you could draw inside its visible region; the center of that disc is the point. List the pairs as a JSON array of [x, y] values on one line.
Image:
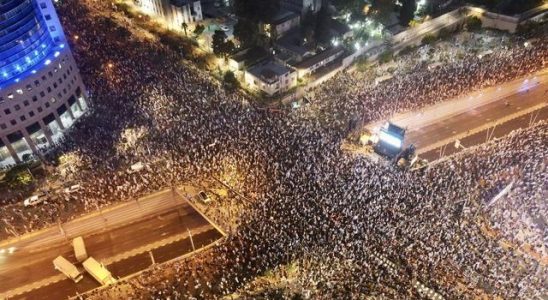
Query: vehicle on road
[[98, 271], [204, 197], [73, 188], [66, 267], [79, 249], [224, 28], [34, 200]]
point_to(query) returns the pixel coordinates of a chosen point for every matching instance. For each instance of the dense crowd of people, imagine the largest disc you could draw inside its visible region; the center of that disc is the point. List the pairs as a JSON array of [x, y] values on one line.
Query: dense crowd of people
[[355, 96], [354, 227]]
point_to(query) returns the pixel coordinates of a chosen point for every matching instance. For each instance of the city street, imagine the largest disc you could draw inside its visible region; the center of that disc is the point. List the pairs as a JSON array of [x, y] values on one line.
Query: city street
[[124, 249], [505, 107], [481, 136]]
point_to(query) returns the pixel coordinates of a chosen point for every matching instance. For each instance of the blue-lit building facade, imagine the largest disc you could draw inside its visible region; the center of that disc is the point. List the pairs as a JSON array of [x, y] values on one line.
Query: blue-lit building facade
[[41, 92]]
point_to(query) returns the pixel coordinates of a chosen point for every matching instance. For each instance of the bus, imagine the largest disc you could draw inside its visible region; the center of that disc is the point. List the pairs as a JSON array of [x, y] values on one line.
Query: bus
[[66, 267]]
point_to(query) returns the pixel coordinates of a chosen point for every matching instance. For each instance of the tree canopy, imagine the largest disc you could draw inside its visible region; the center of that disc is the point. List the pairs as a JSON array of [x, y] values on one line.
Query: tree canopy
[[256, 10], [407, 11], [221, 47]]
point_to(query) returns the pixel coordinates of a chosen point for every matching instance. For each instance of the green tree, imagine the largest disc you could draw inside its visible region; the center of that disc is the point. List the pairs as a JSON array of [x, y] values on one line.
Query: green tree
[[256, 10], [322, 31], [219, 38], [429, 39], [308, 25], [222, 47], [185, 27], [473, 23], [382, 9], [407, 11], [230, 80], [351, 6], [247, 32], [199, 29]]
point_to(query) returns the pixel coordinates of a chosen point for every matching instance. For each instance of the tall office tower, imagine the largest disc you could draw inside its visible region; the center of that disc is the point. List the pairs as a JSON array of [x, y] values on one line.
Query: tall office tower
[[41, 92]]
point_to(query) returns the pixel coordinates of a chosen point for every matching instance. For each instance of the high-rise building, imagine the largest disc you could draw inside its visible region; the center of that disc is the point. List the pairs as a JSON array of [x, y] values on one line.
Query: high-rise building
[[302, 6], [41, 92]]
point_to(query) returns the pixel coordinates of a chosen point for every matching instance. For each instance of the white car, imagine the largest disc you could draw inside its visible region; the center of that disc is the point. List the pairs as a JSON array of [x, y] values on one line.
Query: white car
[[204, 197], [137, 167], [224, 28], [33, 200], [73, 188]]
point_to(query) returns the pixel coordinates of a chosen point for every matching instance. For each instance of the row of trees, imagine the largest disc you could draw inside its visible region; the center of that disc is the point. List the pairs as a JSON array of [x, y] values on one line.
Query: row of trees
[[315, 27], [250, 13]]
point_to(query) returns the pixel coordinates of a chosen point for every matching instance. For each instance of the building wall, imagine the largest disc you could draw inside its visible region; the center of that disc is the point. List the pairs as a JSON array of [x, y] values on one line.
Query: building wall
[[42, 101], [284, 27], [282, 84], [174, 16], [494, 20]]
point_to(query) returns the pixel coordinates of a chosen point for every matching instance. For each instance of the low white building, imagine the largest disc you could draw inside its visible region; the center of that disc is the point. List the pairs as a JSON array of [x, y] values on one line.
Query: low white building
[[173, 12], [270, 77]]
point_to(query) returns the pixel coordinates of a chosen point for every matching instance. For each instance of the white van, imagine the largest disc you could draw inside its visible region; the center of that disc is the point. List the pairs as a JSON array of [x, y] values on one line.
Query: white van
[[66, 267]]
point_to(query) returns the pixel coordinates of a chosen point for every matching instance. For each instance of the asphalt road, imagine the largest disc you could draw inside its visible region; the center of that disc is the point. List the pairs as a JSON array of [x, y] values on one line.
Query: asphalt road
[[480, 137], [33, 264], [66, 288], [497, 113]]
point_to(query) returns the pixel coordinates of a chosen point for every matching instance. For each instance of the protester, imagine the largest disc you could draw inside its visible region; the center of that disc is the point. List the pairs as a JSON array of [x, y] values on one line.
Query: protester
[[354, 227]]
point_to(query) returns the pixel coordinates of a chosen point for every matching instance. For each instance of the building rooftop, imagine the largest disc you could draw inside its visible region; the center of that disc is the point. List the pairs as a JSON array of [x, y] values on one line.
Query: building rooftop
[[282, 16], [250, 56], [294, 42], [309, 62], [269, 71]]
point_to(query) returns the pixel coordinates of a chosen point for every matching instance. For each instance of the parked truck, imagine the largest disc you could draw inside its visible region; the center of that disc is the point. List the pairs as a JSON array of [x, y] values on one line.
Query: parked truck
[[66, 267], [98, 271], [79, 249]]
